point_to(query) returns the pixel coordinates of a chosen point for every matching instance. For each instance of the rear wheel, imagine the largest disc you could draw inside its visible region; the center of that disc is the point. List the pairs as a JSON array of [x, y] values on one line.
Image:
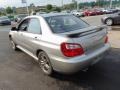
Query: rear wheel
[[44, 63], [109, 22]]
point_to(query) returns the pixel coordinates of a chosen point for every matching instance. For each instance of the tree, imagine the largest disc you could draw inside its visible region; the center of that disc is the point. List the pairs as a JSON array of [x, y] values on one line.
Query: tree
[[69, 6], [9, 10], [57, 9], [93, 4], [49, 7]]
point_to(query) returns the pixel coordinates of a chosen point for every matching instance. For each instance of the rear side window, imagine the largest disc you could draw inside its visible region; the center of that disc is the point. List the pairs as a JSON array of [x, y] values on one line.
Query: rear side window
[[34, 26], [65, 23]]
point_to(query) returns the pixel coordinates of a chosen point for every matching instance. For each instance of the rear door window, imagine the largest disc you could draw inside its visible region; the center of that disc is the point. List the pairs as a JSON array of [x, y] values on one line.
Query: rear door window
[[34, 26]]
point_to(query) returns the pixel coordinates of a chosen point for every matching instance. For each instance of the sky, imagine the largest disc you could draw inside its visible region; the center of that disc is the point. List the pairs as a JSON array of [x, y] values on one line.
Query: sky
[[17, 3]]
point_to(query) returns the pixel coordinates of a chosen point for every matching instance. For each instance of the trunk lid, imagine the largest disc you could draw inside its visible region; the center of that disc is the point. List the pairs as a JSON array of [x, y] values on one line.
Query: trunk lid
[[91, 38]]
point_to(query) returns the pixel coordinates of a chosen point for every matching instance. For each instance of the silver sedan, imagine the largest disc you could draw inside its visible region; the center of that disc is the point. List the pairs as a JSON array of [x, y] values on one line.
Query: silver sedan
[[60, 42]]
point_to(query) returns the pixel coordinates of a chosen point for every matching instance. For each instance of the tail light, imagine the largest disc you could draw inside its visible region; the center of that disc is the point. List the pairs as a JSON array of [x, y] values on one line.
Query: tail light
[[106, 39], [71, 49]]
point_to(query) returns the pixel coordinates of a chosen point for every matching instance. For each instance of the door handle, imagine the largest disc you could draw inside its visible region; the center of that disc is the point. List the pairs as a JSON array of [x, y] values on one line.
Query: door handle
[[37, 38]]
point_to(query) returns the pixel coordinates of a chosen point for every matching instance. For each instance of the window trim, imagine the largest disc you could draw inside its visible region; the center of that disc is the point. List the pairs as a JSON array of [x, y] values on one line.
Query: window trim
[[22, 23]]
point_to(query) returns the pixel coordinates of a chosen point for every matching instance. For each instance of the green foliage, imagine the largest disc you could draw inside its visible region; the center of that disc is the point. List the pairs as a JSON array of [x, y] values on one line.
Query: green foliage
[[69, 6], [2, 13], [11, 17], [100, 3], [49, 7], [93, 4], [57, 9], [9, 10]]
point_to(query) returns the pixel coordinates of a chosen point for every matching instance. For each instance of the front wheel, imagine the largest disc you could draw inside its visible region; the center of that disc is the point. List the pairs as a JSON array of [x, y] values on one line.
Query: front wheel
[[44, 63], [109, 22], [13, 45]]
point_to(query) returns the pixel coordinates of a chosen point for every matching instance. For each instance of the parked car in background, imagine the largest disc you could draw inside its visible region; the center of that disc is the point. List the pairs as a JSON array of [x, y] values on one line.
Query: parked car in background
[[77, 13], [54, 12], [4, 20], [111, 19], [114, 10], [106, 11], [66, 11], [11, 17], [38, 13], [89, 13], [18, 19], [110, 11], [98, 11], [60, 42]]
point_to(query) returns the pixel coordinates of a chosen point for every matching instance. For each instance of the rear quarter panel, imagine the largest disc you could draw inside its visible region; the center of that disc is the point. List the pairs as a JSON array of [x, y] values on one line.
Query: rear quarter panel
[[50, 42]]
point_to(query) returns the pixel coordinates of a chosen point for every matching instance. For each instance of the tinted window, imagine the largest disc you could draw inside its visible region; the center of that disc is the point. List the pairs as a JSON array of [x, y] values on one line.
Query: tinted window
[[23, 26], [34, 26], [65, 23]]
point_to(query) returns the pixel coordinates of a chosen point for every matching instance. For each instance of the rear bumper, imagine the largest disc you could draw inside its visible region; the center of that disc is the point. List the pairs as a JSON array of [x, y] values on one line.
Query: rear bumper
[[73, 65]]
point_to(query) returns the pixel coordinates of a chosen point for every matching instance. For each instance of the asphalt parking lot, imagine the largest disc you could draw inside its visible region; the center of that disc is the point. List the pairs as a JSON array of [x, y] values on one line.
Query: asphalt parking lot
[[18, 71]]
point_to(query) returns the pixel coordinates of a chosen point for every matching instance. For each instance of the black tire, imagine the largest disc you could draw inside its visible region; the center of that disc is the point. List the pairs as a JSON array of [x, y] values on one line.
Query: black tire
[[13, 45], [109, 22], [44, 63]]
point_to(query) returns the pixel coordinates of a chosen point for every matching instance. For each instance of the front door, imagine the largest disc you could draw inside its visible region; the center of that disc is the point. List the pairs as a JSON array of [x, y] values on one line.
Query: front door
[[33, 35], [21, 29]]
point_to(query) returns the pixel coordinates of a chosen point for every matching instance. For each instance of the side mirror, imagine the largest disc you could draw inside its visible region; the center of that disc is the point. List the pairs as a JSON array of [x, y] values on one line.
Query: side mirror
[[13, 29]]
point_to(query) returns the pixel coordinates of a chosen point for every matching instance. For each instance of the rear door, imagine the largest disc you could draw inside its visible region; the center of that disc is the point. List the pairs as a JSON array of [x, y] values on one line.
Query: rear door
[[33, 35]]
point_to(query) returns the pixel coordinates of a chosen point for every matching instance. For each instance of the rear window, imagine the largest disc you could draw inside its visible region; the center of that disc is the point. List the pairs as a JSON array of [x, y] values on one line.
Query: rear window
[[65, 23]]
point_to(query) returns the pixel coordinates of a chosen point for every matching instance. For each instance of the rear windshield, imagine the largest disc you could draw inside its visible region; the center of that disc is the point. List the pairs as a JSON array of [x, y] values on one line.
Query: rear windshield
[[65, 23]]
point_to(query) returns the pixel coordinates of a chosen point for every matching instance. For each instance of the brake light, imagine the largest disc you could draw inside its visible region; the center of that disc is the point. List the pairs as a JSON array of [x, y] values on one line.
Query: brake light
[[106, 39], [71, 49]]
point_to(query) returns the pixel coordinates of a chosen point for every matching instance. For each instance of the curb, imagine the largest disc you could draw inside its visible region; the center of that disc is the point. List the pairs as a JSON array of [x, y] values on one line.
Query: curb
[[115, 28]]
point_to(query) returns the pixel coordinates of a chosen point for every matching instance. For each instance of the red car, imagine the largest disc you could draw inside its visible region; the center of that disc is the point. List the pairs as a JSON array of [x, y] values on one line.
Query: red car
[[98, 12], [89, 13]]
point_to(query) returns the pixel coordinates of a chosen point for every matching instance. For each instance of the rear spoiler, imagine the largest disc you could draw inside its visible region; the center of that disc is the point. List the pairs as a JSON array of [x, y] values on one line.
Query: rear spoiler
[[99, 28]]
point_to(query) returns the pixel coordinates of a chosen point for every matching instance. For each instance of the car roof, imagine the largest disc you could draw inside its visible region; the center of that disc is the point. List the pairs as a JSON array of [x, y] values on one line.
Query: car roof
[[53, 14], [47, 15]]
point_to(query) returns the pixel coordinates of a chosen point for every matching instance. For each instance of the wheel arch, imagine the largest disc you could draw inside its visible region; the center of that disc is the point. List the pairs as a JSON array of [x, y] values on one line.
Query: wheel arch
[[10, 37], [39, 50]]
